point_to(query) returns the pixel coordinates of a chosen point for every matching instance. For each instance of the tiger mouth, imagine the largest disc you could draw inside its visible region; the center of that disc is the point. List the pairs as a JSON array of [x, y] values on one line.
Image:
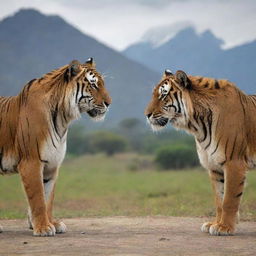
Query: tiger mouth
[[163, 121], [93, 112], [159, 123], [96, 114]]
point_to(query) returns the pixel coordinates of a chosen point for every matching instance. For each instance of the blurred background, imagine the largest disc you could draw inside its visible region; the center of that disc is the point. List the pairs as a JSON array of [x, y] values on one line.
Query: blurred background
[[120, 167]]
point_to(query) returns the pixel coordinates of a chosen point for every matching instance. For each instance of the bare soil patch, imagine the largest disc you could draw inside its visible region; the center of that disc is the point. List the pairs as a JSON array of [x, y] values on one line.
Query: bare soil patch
[[128, 236]]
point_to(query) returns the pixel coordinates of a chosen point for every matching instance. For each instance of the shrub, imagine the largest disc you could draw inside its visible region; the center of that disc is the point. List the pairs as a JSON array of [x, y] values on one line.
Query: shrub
[[78, 141], [130, 124], [153, 141], [107, 142], [176, 157]]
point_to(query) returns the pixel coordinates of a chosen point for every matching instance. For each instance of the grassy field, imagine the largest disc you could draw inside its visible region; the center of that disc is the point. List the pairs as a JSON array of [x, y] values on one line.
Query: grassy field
[[124, 184]]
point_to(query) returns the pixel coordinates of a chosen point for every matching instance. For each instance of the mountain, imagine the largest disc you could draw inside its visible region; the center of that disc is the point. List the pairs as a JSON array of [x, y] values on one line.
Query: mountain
[[32, 44], [199, 54]]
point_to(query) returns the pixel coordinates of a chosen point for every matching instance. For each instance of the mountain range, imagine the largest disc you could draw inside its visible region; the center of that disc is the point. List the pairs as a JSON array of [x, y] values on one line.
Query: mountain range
[[199, 54], [32, 44]]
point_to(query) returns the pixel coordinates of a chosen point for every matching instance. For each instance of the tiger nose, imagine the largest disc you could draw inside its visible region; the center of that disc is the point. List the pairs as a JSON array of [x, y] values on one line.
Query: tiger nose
[[149, 115]]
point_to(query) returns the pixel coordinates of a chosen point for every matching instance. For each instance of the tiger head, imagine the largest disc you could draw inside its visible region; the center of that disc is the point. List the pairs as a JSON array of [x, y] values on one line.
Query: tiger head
[[90, 94], [167, 104]]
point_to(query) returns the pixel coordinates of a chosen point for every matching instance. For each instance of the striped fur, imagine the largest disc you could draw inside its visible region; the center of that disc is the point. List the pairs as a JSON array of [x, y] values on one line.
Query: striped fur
[[222, 119], [33, 131]]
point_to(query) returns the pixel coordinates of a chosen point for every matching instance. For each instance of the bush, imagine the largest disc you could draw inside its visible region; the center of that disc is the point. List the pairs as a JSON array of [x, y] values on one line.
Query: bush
[[153, 141], [107, 142], [176, 157], [81, 141], [78, 141], [133, 130], [130, 124]]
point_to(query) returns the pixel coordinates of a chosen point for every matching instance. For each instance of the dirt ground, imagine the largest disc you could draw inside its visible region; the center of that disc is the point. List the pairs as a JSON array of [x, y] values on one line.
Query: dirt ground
[[127, 236]]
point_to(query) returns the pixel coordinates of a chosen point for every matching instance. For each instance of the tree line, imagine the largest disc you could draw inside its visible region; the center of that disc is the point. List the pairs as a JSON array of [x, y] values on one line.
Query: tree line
[[171, 149]]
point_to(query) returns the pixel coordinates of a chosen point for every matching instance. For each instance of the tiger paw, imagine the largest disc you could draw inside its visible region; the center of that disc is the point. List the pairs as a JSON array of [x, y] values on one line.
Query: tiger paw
[[206, 226], [45, 230], [60, 227], [221, 230]]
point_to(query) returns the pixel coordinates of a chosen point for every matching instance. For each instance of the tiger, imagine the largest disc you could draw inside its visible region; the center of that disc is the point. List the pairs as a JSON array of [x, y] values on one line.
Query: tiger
[[223, 122], [33, 133]]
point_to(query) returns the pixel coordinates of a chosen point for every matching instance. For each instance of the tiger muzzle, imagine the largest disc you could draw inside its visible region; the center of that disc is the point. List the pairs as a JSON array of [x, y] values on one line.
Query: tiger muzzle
[[93, 112], [157, 122], [162, 121]]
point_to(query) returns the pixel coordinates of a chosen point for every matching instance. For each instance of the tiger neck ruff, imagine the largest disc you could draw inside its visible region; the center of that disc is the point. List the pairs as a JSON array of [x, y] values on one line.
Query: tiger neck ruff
[[34, 129], [222, 119]]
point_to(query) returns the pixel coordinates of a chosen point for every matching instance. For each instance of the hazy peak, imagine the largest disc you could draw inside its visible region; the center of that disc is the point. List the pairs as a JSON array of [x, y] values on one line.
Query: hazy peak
[[163, 35], [159, 35]]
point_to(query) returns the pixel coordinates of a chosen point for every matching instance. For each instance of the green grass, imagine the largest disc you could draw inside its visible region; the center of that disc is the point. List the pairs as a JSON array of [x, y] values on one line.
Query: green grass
[[124, 185]]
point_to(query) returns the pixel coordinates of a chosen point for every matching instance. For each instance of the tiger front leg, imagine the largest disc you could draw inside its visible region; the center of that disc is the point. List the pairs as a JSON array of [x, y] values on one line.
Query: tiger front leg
[[49, 188], [217, 180], [31, 175], [234, 184]]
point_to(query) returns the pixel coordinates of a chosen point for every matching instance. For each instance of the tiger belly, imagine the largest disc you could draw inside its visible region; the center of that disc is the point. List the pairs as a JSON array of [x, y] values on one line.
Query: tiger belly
[[51, 155]]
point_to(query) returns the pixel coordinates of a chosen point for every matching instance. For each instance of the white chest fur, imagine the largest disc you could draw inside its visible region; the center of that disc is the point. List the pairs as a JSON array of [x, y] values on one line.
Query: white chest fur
[[54, 153], [207, 159]]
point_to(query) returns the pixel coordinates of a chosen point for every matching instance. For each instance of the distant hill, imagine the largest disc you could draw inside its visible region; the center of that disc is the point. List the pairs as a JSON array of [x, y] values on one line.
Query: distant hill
[[200, 54], [32, 44]]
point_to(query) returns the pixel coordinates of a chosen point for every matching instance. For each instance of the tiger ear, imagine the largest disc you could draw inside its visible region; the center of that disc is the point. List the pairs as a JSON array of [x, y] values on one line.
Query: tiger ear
[[167, 73], [90, 62], [74, 69], [182, 79]]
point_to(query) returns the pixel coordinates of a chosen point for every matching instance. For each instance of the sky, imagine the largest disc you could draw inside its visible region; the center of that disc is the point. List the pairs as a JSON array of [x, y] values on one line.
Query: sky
[[120, 23]]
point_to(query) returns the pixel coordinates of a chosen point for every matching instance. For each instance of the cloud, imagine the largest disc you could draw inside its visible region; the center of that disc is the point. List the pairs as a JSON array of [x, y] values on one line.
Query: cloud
[[118, 23]]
